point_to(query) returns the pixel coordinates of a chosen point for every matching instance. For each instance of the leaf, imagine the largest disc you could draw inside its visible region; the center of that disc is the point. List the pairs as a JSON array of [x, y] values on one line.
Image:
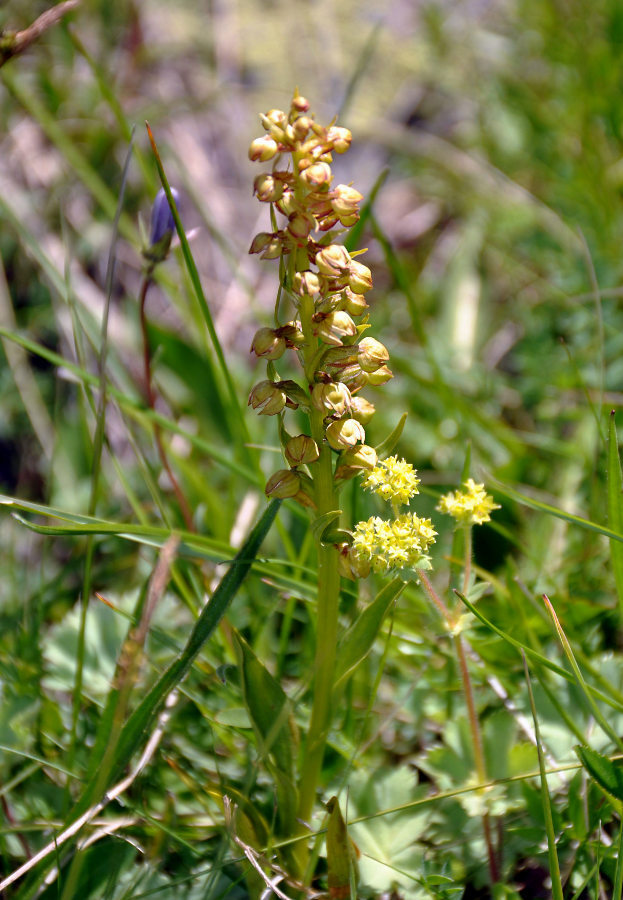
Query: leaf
[[269, 709], [340, 853], [537, 657], [359, 639], [145, 714], [321, 525], [512, 494], [386, 446], [607, 774]]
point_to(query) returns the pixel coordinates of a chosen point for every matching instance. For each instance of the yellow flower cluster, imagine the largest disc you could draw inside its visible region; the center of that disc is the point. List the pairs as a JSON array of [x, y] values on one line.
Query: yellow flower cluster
[[399, 544], [393, 479], [470, 507]]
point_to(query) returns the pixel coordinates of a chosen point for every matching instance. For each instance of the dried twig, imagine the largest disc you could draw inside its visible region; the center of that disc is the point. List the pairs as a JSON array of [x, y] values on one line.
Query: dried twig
[[12, 43]]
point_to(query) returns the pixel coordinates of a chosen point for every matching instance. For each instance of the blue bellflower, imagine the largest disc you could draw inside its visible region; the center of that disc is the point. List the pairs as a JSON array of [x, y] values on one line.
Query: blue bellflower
[[162, 222]]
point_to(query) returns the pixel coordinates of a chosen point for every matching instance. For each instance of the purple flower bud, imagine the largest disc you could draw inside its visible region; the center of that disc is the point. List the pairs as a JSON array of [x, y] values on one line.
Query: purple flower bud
[[162, 221]]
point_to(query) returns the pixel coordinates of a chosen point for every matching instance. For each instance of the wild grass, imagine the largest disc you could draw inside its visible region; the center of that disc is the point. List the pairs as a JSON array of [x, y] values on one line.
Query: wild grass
[[153, 674]]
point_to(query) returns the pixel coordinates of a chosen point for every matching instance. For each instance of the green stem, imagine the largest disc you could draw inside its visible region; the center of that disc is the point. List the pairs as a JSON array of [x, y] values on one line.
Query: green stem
[[472, 714], [327, 608]]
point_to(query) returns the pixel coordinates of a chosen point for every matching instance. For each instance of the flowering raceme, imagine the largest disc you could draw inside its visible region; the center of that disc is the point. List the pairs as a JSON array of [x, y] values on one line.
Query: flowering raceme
[[470, 507], [325, 284]]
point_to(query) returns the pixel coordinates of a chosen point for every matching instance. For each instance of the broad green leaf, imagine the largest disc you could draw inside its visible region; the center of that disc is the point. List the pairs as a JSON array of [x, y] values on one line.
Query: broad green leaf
[[273, 723], [606, 772], [359, 638]]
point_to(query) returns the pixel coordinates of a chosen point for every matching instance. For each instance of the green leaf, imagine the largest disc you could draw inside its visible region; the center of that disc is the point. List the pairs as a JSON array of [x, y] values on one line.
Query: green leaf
[[143, 717], [340, 852], [321, 525], [359, 639], [615, 508], [512, 494], [386, 446], [273, 723], [537, 657], [607, 774]]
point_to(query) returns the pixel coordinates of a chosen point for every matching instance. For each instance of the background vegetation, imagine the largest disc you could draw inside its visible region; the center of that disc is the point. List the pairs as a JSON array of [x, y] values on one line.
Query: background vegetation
[[493, 135]]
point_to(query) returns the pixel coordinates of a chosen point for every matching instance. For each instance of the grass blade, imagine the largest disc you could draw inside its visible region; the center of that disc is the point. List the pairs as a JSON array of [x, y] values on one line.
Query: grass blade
[[554, 867]]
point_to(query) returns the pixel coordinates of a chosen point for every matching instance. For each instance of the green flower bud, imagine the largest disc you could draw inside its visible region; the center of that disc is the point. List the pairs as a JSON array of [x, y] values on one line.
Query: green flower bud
[[301, 450], [267, 398], [283, 484], [300, 224], [300, 104], [334, 260], [359, 457], [288, 204], [306, 282], [317, 174], [267, 188], [333, 327], [362, 410], [268, 344], [339, 138], [345, 433], [372, 354], [301, 127], [263, 149], [334, 397], [261, 241], [359, 278], [274, 117], [354, 304], [355, 461], [380, 376], [345, 204]]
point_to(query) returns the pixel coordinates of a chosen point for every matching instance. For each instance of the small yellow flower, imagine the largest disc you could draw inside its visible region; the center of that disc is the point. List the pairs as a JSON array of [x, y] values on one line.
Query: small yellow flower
[[470, 507], [399, 544], [393, 479]]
